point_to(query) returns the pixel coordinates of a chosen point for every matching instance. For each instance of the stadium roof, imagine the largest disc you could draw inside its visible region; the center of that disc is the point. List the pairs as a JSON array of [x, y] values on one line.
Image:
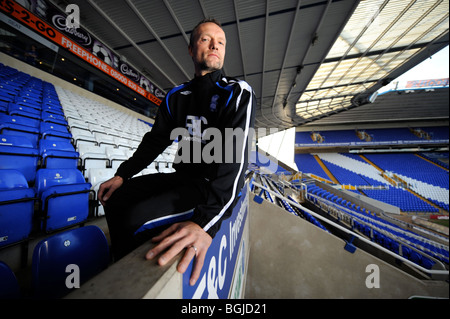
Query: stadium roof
[[305, 59]]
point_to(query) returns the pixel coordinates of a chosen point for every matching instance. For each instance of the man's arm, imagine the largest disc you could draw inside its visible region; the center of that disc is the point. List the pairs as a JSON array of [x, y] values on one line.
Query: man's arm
[[153, 143]]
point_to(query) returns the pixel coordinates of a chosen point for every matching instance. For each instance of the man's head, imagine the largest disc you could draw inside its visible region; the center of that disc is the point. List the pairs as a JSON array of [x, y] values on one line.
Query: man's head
[[207, 47]]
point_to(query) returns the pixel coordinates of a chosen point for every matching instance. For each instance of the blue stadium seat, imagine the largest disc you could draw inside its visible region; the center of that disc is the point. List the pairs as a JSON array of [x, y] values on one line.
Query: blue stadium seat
[[16, 207], [54, 131], [52, 107], [9, 287], [25, 111], [85, 247], [53, 118], [58, 154], [17, 152], [6, 96], [9, 128], [64, 195], [21, 120]]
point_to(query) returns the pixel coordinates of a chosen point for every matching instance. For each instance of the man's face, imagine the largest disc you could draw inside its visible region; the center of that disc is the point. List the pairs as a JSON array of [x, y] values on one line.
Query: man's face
[[208, 48]]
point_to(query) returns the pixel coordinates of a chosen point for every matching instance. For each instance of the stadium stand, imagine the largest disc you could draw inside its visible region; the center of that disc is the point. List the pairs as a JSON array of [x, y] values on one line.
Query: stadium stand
[[410, 173], [382, 231], [84, 141], [61, 146], [368, 180]]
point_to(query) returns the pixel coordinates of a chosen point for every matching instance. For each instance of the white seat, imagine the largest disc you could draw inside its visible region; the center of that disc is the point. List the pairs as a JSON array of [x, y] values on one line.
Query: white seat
[[165, 167], [104, 139], [92, 156], [151, 169], [82, 136], [122, 143], [116, 156], [96, 176]]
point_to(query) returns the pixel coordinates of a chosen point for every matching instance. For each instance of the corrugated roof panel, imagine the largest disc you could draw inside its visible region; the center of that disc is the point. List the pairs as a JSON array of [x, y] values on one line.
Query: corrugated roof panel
[[233, 56], [250, 8], [126, 19], [278, 27], [157, 15], [252, 43], [221, 10], [188, 13]]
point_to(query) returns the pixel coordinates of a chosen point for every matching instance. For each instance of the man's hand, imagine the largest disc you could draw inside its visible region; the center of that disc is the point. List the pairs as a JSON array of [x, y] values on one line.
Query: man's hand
[[182, 235], [109, 187]]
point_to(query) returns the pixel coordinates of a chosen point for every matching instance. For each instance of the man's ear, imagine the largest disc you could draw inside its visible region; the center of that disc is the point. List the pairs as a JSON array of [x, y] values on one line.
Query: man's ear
[[190, 51]]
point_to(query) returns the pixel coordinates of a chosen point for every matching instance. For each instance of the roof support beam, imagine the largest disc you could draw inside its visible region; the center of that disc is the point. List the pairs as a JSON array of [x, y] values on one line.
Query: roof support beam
[[155, 35], [288, 45], [311, 44], [110, 21]]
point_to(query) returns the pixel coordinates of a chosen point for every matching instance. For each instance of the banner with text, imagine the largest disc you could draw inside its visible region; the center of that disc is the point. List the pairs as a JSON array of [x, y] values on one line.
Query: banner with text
[[51, 23]]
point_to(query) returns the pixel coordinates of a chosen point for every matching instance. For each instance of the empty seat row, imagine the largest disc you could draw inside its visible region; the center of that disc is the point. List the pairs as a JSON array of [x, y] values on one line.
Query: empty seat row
[[18, 152], [382, 231]]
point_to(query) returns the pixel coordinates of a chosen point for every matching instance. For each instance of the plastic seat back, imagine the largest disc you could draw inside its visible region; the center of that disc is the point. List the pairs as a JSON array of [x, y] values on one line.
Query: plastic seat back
[[9, 287], [49, 145], [12, 179], [15, 140], [21, 120], [69, 258], [65, 197], [16, 207], [49, 177], [58, 154], [23, 159], [22, 130]]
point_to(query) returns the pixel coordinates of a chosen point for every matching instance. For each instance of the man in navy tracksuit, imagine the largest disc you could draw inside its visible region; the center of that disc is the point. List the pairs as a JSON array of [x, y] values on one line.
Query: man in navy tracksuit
[[210, 164]]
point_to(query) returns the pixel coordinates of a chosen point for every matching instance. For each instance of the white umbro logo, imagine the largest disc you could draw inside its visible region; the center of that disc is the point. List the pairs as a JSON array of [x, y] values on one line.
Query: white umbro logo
[[186, 92]]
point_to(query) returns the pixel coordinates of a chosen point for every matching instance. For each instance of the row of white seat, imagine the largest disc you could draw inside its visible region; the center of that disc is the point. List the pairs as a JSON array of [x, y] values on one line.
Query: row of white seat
[[104, 137], [100, 116], [98, 156]]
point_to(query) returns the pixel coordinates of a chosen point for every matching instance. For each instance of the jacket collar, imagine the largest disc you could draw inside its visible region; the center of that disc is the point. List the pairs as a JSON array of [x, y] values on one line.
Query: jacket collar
[[211, 78]]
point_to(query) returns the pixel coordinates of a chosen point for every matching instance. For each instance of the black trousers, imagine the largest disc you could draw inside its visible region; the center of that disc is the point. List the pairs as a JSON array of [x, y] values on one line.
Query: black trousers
[[143, 206]]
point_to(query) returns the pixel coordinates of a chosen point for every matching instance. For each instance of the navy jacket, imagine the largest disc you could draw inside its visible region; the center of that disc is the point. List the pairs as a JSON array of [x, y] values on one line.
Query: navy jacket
[[207, 109]]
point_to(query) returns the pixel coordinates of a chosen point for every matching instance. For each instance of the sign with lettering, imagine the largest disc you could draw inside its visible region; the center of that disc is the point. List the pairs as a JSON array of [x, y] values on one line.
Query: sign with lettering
[[84, 46], [224, 269]]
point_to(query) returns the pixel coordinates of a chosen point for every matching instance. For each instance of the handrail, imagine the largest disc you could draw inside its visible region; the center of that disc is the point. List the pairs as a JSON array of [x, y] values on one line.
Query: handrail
[[407, 261]]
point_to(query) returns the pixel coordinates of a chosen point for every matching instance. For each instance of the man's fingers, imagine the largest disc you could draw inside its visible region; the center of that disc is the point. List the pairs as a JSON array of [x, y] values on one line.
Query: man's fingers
[[109, 187], [165, 233], [165, 239], [175, 249], [176, 238], [198, 265], [186, 260]]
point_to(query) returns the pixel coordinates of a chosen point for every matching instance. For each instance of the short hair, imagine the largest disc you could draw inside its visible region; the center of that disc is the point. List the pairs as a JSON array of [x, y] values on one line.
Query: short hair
[[207, 20]]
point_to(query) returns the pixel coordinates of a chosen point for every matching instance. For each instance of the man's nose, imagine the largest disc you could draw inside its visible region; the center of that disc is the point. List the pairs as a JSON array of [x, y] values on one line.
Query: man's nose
[[214, 44]]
